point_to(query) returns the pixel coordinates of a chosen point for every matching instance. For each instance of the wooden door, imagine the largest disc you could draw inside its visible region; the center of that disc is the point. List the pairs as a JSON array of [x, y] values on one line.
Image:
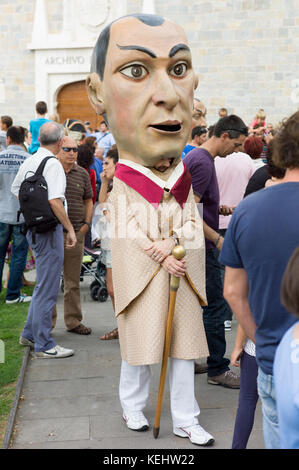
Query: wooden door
[[73, 103]]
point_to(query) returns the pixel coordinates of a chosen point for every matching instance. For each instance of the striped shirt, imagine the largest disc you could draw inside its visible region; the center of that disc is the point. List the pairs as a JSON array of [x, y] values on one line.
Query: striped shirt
[[78, 189]]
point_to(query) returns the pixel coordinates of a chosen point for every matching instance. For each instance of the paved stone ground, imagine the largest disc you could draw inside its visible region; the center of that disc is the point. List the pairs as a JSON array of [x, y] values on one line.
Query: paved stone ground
[[72, 403]]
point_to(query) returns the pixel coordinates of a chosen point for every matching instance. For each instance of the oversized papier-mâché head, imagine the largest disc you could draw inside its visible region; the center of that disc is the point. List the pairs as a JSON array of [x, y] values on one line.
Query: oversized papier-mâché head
[[143, 82]]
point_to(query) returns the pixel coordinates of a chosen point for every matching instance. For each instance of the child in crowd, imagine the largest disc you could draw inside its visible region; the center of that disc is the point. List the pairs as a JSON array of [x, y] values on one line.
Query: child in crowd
[[259, 119], [243, 356], [35, 125]]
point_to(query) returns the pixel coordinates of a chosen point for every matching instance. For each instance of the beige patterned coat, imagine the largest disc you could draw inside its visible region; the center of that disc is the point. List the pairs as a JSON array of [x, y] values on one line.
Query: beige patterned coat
[[141, 285]]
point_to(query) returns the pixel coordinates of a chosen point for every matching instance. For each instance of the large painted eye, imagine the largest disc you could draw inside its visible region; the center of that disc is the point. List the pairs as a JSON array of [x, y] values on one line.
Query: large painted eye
[[135, 71], [179, 70]]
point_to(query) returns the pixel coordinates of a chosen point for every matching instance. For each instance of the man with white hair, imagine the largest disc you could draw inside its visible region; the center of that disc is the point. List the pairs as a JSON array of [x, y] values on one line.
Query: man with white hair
[[47, 247]]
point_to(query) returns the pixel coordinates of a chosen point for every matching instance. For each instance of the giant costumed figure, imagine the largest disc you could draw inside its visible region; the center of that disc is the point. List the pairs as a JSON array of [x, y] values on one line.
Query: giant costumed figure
[[143, 82]]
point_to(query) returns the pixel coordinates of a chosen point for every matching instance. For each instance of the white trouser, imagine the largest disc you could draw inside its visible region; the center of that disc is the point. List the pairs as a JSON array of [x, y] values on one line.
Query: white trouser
[[134, 389]]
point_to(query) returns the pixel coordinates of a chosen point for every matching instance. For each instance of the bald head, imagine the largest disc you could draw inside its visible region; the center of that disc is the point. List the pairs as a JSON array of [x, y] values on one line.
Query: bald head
[[100, 51], [146, 88]]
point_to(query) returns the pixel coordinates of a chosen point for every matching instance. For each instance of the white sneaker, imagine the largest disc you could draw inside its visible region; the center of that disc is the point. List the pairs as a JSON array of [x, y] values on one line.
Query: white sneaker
[[26, 342], [21, 299], [196, 434], [136, 421], [227, 325], [54, 353]]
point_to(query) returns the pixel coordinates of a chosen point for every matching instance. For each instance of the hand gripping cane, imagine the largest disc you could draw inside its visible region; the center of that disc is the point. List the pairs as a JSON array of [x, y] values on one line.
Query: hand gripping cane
[[179, 253]]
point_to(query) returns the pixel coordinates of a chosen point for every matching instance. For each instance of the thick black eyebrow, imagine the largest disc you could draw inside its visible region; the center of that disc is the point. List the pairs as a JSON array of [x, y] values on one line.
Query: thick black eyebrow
[[177, 48], [138, 48]]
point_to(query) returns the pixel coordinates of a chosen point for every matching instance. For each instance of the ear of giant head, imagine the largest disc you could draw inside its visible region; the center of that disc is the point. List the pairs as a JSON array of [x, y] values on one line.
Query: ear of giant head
[[94, 91]]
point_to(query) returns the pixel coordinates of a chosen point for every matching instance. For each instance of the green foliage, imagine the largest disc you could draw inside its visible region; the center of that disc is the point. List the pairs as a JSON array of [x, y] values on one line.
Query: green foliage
[[12, 321]]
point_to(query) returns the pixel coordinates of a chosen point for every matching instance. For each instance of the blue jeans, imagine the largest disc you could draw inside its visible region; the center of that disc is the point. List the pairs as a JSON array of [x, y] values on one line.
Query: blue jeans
[[214, 316], [266, 390], [18, 257]]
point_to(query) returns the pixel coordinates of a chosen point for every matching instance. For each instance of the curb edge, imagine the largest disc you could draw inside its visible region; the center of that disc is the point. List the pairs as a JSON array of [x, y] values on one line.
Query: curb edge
[[14, 407]]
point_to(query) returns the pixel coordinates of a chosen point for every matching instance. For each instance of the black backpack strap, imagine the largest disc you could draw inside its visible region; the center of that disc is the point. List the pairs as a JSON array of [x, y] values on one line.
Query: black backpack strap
[[41, 167], [33, 232]]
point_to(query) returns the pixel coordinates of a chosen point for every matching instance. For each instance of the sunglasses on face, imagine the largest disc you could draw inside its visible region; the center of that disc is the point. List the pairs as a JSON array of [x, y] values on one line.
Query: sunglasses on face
[[69, 149]]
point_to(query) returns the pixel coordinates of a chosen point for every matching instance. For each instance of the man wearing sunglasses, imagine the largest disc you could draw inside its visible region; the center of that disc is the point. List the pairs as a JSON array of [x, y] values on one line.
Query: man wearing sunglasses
[[80, 209], [47, 246]]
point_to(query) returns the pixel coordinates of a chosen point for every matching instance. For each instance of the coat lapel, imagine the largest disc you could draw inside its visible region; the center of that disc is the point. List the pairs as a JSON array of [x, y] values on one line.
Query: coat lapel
[[151, 187]]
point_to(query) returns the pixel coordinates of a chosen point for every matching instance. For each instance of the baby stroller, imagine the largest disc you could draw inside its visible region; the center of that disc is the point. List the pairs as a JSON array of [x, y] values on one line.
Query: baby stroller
[[92, 266], [98, 289]]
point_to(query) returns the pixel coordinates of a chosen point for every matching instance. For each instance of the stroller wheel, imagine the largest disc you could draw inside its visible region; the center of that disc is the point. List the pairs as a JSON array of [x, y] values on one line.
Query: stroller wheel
[[93, 284], [94, 292], [102, 294]]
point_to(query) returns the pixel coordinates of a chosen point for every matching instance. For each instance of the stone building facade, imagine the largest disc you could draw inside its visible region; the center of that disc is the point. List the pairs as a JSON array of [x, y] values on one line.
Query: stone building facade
[[246, 52]]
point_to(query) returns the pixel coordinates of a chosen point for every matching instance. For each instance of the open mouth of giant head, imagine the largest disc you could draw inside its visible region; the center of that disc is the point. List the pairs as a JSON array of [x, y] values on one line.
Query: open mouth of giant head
[[171, 127]]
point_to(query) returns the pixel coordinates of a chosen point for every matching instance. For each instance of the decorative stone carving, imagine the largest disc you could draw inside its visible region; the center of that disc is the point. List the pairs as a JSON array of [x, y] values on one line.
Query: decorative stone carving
[[85, 19], [93, 13]]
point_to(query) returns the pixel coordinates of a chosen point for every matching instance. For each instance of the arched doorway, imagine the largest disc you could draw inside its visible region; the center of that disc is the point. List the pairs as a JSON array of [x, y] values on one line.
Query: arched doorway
[[73, 103]]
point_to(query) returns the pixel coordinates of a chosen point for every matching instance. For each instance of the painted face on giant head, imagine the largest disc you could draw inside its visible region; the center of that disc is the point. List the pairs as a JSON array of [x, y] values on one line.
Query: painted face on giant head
[[145, 87]]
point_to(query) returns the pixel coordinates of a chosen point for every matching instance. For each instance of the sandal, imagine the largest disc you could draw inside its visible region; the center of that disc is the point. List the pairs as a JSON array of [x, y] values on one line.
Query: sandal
[[111, 335], [81, 330]]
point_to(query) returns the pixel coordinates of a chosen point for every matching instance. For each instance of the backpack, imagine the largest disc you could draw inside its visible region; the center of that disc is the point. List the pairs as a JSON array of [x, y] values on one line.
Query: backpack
[[34, 204]]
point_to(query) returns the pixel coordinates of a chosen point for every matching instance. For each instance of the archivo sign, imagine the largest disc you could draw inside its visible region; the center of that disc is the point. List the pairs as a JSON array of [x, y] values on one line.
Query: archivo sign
[[67, 60]]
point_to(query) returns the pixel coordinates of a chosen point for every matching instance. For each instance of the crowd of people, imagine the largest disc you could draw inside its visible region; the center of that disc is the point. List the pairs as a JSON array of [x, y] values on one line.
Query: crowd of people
[[222, 162], [82, 161], [246, 235]]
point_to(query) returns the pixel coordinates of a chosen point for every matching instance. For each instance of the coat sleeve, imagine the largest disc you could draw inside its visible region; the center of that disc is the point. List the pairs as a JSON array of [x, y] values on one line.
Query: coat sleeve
[[132, 268]]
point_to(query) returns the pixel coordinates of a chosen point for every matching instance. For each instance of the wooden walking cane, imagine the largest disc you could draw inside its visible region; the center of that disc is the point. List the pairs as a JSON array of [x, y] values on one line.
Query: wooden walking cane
[[179, 253]]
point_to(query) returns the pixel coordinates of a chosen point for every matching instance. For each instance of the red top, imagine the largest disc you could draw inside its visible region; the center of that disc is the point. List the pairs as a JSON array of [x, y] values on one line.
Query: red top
[[92, 176]]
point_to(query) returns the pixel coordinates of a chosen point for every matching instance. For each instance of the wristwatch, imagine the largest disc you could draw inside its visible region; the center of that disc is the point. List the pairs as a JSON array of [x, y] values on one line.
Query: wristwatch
[[87, 223]]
